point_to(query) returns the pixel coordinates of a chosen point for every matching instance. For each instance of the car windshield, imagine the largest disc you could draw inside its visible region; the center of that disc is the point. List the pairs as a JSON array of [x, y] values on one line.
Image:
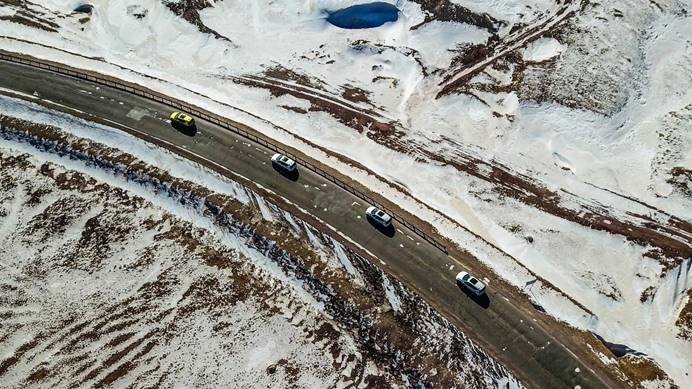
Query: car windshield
[[465, 277]]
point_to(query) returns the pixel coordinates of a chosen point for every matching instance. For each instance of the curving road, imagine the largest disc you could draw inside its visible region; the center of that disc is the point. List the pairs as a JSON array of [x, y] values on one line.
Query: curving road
[[508, 333]]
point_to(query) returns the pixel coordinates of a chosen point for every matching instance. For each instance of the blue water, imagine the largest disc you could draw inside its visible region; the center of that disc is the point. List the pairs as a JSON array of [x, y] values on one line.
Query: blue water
[[364, 15], [84, 8]]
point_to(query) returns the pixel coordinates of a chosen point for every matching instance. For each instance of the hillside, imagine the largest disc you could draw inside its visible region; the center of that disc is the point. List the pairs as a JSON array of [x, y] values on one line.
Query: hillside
[[550, 139]]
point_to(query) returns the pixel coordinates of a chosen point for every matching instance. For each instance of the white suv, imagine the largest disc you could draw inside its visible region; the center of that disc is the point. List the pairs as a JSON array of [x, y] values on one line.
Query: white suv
[[379, 216], [471, 283], [284, 162]]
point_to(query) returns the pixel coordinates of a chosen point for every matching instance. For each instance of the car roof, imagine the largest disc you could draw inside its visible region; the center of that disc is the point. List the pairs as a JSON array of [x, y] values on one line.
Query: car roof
[[381, 214]]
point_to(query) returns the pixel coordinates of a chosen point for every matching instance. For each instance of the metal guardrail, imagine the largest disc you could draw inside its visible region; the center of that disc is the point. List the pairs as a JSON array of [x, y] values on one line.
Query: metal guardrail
[[219, 120]]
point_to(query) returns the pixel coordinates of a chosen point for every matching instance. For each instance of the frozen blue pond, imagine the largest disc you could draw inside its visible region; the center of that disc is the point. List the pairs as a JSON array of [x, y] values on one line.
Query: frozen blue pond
[[84, 8], [364, 15]]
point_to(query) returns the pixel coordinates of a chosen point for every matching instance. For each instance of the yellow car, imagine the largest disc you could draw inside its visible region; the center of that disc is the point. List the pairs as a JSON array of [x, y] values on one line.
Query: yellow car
[[182, 119]]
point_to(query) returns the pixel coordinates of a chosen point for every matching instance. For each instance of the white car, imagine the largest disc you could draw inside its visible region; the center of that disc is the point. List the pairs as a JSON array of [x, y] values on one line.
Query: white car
[[473, 284], [284, 162], [379, 216]]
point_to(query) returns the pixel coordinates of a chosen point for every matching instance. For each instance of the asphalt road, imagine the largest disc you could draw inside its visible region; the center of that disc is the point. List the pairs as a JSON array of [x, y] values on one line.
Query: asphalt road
[[506, 332]]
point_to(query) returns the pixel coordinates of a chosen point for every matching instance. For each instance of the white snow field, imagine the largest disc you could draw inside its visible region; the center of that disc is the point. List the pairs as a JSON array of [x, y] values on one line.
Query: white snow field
[[595, 112]]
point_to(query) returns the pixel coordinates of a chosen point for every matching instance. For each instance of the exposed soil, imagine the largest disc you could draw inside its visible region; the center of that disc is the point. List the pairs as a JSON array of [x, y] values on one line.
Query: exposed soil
[[355, 94], [681, 178], [281, 73], [30, 14], [684, 322], [189, 10], [31, 21], [641, 369], [448, 11]]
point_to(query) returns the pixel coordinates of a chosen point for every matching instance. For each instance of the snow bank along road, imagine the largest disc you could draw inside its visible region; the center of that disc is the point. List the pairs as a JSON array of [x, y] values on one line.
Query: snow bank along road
[[506, 332]]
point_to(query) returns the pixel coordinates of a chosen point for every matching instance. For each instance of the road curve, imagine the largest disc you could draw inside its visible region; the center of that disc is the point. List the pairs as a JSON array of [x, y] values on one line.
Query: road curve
[[507, 333]]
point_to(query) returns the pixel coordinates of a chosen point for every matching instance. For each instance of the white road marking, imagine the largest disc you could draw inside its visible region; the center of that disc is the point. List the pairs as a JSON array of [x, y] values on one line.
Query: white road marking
[[16, 93]]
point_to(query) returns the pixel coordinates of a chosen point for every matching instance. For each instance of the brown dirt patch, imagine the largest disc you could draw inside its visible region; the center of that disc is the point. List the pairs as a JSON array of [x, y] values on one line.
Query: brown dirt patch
[[281, 73], [30, 20], [448, 11], [189, 10], [684, 321], [355, 94], [640, 369]]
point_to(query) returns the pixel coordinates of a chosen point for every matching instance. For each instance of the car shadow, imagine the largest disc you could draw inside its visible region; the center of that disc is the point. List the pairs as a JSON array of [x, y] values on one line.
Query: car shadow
[[293, 176], [482, 300], [189, 131], [386, 231]]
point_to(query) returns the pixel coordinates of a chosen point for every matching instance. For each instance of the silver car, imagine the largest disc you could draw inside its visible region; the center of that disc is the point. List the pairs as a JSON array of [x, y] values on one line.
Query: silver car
[[378, 216], [284, 162], [471, 283]]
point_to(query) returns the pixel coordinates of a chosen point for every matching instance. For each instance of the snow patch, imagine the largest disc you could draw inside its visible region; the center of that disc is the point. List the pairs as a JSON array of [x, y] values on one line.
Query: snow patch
[[542, 49], [392, 296]]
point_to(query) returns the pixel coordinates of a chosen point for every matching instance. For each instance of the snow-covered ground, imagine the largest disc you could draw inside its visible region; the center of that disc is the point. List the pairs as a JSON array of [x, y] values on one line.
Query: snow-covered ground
[[120, 271], [597, 111]]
